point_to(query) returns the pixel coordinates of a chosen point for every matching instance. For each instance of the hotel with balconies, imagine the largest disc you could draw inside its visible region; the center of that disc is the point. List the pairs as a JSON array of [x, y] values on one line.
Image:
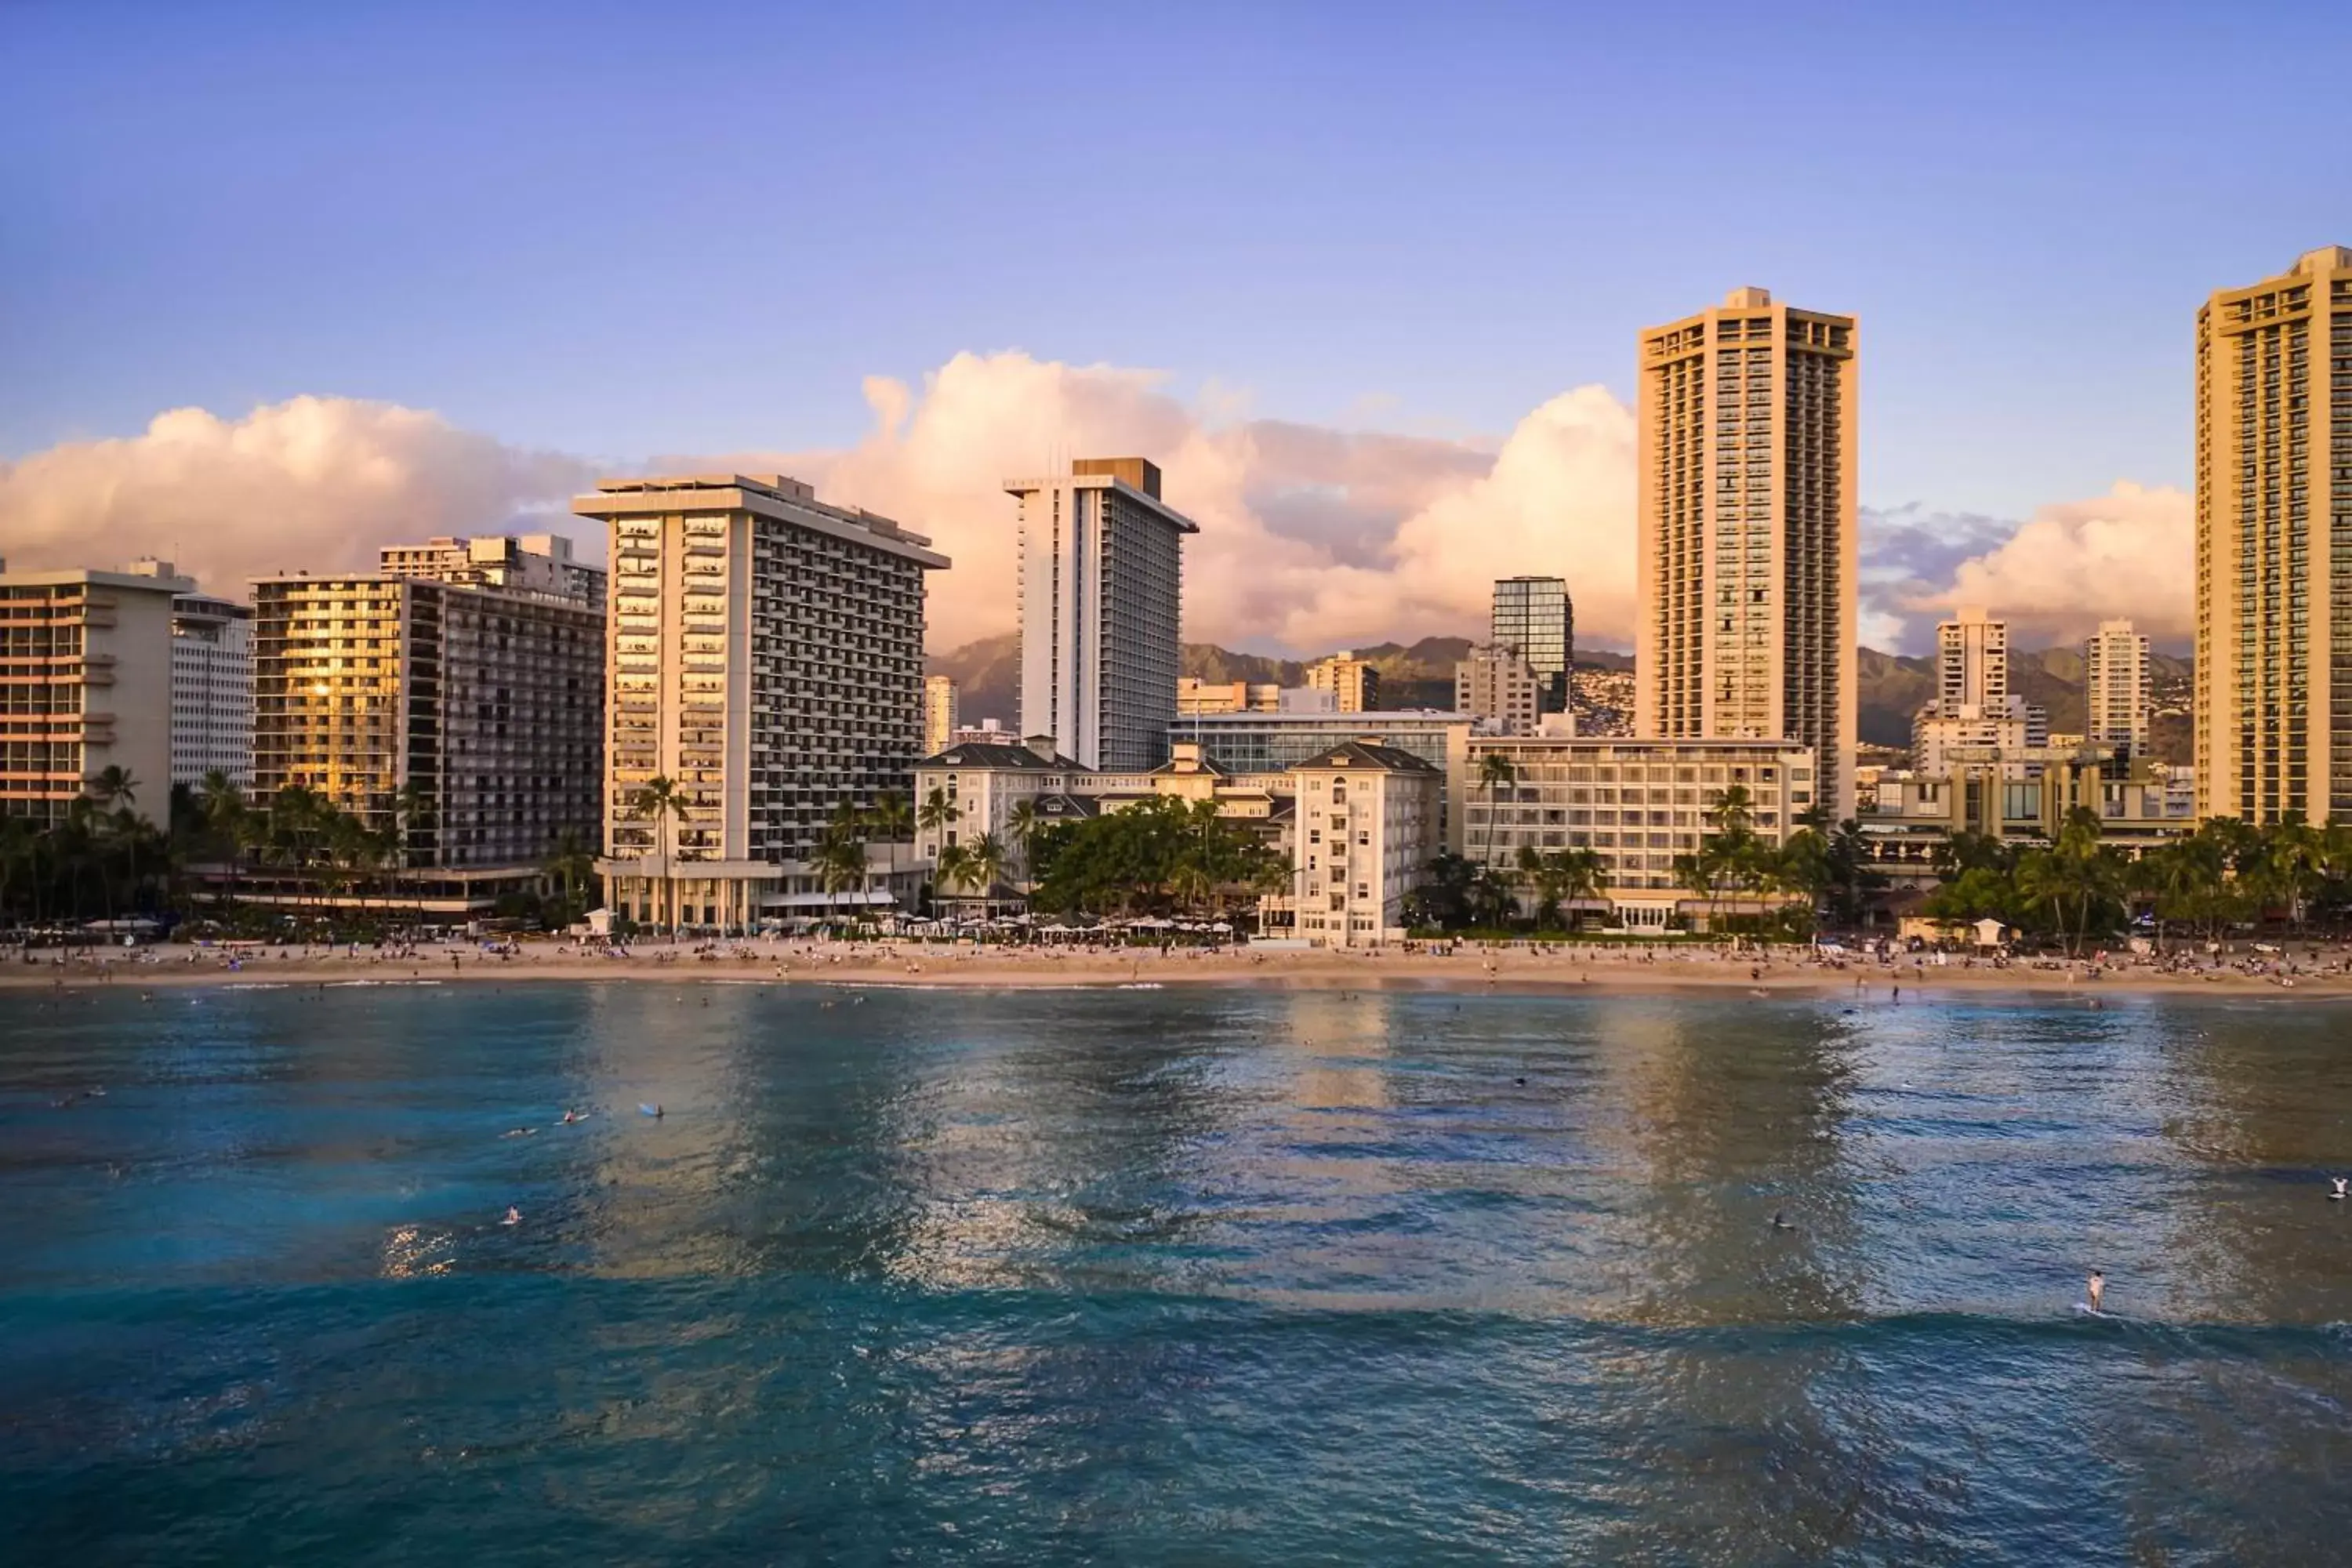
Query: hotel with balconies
[[765, 654], [1749, 593], [464, 723], [85, 685], [2274, 709]]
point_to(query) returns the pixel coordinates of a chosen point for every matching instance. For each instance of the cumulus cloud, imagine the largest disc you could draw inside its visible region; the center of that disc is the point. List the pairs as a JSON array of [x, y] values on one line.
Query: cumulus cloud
[[2131, 551], [313, 483], [1310, 537]]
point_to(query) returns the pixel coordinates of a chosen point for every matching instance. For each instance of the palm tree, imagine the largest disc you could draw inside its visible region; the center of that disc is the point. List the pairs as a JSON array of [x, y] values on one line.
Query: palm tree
[[1022, 824], [985, 860], [19, 847], [1495, 771], [892, 820], [1581, 877], [115, 785], [938, 813], [841, 856], [571, 862], [955, 866], [657, 800]]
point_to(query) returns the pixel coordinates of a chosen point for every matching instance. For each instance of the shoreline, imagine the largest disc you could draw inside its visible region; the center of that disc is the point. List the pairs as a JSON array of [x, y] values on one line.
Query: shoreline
[[1470, 971]]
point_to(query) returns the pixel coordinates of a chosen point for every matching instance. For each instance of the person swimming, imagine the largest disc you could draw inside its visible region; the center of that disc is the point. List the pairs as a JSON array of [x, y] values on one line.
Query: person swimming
[[1780, 1221], [2095, 1287], [570, 1116]]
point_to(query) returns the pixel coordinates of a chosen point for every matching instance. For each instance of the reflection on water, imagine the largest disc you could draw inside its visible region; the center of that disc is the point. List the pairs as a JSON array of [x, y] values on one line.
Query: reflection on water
[[1149, 1276]]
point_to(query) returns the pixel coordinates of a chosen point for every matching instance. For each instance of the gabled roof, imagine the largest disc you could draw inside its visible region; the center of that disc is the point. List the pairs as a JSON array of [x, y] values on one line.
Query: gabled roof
[[1008, 759], [1371, 758], [1064, 807]]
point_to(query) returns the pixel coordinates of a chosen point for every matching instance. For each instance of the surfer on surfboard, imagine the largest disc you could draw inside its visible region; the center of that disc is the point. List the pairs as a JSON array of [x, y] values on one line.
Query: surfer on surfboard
[[2096, 1289]]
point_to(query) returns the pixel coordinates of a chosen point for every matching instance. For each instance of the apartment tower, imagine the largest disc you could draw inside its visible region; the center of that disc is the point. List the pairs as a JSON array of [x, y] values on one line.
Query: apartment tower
[[1748, 583], [464, 723], [2116, 688], [766, 658], [1533, 616], [1101, 581], [85, 685], [1971, 661], [2273, 706], [1354, 683]]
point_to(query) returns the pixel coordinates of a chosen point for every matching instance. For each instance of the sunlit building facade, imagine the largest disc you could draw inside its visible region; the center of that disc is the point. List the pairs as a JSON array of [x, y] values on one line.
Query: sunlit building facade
[[766, 657], [85, 685], [1748, 591], [2273, 670]]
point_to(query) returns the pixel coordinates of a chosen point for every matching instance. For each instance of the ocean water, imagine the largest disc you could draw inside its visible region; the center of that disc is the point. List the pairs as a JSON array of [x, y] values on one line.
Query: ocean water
[[1188, 1276]]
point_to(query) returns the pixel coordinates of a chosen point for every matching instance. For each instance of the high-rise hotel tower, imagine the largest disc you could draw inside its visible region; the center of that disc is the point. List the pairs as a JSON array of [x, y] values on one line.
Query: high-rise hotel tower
[[2274, 545], [1101, 583], [1749, 590], [765, 656]]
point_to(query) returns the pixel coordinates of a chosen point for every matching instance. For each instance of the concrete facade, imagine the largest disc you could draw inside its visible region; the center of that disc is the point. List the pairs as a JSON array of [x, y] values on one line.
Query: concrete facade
[[1354, 684], [85, 685], [1101, 579], [2274, 672], [1366, 823], [481, 708], [1749, 598], [212, 690], [1635, 804], [1500, 690], [765, 654], [2115, 700], [527, 563]]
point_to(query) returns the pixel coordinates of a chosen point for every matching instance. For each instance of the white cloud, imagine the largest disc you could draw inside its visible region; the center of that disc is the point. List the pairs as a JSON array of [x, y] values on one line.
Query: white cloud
[[2131, 551], [1311, 537], [313, 483]]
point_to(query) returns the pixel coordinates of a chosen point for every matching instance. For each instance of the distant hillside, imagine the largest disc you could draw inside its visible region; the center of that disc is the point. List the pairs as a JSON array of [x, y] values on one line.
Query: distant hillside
[[1893, 686]]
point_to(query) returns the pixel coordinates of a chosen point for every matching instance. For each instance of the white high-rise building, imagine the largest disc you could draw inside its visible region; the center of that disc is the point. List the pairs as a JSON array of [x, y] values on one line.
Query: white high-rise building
[[1500, 689], [1971, 661], [765, 656], [212, 690], [1101, 590], [85, 685], [1749, 596], [2114, 687]]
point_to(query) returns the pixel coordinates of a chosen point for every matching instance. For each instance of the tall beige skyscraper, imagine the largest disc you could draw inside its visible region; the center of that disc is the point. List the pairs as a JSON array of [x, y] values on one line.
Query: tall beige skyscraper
[[766, 658], [2114, 687], [2274, 544], [1748, 592]]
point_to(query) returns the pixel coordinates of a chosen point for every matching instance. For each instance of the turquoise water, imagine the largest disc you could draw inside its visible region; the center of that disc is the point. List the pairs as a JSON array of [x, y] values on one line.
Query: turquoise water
[[1162, 1277]]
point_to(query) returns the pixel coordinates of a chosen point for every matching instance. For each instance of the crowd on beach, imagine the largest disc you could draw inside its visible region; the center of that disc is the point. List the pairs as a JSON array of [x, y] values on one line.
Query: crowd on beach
[[919, 960]]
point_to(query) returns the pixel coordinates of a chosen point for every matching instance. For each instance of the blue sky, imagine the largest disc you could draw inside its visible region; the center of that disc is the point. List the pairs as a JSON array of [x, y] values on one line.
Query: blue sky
[[619, 231]]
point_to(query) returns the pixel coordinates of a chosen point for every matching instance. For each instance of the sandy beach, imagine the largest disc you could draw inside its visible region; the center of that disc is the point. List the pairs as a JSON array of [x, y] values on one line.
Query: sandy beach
[[2301, 970]]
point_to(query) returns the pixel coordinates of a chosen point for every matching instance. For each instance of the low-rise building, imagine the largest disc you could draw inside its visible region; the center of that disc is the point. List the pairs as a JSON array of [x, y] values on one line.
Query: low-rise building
[[1194, 697], [1637, 804]]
